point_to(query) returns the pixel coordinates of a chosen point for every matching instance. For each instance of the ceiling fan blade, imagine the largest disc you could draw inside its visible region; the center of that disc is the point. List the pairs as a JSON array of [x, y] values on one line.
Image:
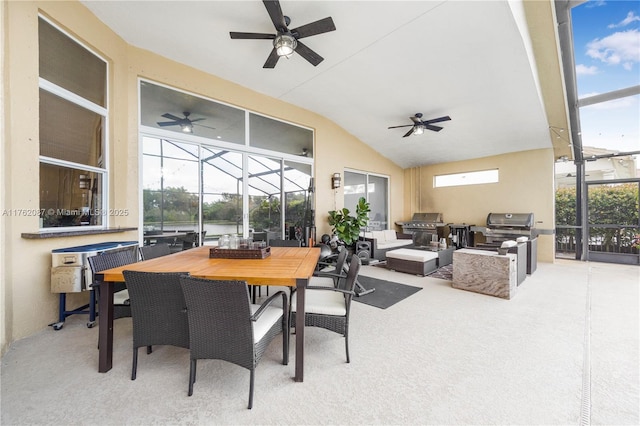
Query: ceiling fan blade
[[202, 125], [430, 127], [171, 116], [416, 119], [197, 119], [276, 15], [309, 54], [272, 60], [395, 127], [318, 27], [437, 120], [408, 133], [167, 123], [252, 36]]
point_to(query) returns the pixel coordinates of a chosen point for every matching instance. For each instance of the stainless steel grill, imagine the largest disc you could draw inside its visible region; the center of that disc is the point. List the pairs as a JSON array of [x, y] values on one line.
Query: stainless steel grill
[[509, 226], [422, 222]]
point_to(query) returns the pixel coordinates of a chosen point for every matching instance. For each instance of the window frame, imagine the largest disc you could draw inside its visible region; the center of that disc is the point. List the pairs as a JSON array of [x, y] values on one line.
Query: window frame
[[81, 102]]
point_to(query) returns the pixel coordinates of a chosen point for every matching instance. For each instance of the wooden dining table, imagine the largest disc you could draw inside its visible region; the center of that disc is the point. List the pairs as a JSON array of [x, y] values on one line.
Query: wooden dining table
[[286, 266]]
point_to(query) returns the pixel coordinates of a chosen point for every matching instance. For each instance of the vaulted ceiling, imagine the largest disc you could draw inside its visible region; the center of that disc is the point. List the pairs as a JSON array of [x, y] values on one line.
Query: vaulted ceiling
[[492, 66]]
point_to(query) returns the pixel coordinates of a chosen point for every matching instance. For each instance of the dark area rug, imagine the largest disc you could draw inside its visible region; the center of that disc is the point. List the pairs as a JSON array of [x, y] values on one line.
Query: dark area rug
[[444, 273], [387, 293]]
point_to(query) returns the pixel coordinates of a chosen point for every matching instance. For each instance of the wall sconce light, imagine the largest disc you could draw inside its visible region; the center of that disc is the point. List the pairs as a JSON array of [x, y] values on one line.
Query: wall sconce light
[[84, 181], [335, 181]]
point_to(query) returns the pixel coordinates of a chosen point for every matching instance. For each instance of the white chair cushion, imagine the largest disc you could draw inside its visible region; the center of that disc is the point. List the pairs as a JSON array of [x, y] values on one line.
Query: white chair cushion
[[390, 235], [508, 243], [324, 302], [322, 282], [412, 255], [270, 316], [120, 297]]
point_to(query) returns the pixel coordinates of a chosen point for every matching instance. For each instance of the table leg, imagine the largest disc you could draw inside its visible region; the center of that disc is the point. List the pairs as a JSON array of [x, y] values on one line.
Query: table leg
[[300, 286], [105, 324]]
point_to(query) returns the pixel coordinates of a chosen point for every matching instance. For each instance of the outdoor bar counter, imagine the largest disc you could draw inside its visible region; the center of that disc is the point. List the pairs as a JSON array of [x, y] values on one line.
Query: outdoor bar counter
[[485, 272]]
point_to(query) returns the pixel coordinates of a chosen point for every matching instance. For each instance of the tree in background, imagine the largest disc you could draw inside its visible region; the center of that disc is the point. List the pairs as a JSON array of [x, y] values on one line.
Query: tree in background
[[608, 205]]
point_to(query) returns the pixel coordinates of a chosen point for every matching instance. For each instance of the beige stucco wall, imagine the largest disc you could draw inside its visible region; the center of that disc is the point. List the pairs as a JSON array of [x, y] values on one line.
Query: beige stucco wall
[[525, 186], [27, 303]]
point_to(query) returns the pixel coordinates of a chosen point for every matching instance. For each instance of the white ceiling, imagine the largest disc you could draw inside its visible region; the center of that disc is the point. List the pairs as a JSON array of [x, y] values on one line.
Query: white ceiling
[[386, 61]]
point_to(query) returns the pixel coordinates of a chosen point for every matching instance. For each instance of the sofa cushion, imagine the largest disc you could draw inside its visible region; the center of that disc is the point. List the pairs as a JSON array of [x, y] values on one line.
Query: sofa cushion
[[390, 235], [379, 236], [412, 255], [392, 244]]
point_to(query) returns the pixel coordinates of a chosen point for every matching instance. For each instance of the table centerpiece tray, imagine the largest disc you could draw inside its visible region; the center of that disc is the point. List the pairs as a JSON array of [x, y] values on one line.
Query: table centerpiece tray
[[258, 253]]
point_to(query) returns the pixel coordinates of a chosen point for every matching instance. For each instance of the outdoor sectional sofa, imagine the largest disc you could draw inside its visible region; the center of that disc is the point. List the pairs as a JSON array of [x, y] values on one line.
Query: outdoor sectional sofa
[[383, 241]]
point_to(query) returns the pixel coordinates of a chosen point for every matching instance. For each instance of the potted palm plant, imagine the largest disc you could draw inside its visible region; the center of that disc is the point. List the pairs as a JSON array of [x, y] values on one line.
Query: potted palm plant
[[347, 227]]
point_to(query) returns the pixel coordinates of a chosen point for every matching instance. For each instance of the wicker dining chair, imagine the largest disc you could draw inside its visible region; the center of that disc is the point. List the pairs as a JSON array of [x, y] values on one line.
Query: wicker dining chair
[[155, 250], [158, 311], [108, 260], [223, 324], [329, 307], [329, 276]]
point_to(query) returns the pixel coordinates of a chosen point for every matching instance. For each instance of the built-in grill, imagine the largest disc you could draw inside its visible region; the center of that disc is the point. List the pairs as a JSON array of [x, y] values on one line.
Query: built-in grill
[[422, 222], [512, 226], [509, 226]]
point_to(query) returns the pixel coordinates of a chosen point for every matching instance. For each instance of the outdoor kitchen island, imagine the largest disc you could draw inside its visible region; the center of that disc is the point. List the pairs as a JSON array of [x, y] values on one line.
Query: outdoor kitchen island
[[485, 272]]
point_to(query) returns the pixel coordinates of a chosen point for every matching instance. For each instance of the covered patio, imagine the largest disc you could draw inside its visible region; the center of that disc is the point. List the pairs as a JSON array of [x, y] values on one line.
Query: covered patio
[[564, 351]]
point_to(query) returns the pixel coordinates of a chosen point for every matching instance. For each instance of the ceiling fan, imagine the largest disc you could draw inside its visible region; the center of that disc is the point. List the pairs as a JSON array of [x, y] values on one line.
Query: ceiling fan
[[419, 125], [287, 41], [186, 124]]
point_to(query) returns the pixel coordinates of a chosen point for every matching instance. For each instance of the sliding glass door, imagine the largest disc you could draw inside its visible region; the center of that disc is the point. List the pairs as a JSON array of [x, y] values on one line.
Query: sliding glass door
[[375, 189], [190, 187]]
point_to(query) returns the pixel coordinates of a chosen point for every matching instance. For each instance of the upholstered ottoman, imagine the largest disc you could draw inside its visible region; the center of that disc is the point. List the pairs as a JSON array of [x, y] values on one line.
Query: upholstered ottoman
[[419, 262]]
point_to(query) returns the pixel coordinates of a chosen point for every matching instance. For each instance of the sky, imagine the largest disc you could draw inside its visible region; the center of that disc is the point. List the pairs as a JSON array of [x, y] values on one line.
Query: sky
[[606, 36]]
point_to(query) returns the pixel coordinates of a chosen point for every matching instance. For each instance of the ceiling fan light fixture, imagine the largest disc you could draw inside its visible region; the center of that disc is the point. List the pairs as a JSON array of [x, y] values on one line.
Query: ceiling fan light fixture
[[418, 129], [285, 44], [187, 128]]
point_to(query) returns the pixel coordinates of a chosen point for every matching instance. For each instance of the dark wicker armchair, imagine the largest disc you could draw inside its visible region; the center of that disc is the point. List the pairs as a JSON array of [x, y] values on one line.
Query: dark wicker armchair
[[224, 325], [158, 311], [330, 276], [155, 250], [108, 260], [329, 307]]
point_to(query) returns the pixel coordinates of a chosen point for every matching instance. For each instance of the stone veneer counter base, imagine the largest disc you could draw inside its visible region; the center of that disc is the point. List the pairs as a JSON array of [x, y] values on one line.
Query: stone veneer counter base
[[485, 272]]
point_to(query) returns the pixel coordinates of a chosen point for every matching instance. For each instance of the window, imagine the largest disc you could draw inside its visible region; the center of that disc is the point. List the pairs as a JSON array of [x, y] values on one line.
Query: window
[[375, 189], [597, 212], [234, 172], [73, 119], [467, 178]]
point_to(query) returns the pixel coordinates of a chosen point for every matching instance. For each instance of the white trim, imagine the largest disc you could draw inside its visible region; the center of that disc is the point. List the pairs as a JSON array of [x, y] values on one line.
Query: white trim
[[72, 97], [71, 164]]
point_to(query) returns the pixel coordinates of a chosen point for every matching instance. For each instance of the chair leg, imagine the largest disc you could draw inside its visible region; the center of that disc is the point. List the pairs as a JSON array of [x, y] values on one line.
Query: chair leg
[[346, 343], [192, 376], [285, 340], [134, 365], [149, 350], [251, 379]]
